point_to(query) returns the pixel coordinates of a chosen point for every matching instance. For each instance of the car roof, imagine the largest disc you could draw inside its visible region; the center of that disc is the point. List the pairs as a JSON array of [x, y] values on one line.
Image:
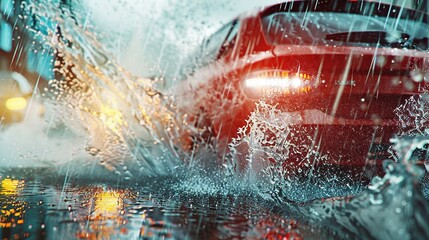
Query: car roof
[[11, 79], [347, 6]]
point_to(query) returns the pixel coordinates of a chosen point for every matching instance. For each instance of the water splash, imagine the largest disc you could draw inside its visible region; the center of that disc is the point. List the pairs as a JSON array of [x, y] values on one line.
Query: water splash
[[394, 202], [279, 155], [397, 201], [414, 115], [132, 130], [130, 125], [413, 118]]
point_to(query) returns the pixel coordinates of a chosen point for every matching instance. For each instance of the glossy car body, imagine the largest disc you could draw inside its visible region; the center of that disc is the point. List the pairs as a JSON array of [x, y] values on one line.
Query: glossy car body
[[340, 67]]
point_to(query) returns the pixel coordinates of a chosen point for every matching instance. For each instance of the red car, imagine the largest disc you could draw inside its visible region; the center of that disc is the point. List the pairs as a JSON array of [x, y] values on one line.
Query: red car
[[332, 71]]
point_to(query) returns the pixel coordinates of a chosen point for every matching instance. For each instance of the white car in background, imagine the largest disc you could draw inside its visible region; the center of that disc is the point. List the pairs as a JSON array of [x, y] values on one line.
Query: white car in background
[[15, 97]]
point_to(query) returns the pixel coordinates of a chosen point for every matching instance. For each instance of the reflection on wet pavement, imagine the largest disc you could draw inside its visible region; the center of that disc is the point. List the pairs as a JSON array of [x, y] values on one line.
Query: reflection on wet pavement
[[119, 127], [36, 209]]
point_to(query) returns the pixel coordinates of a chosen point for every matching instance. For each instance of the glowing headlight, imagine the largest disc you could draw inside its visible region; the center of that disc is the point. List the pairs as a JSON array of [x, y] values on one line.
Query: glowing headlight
[[268, 83], [17, 103]]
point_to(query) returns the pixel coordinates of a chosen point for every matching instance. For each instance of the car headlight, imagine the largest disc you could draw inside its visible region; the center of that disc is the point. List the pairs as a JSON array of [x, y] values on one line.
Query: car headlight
[[273, 83], [16, 103]]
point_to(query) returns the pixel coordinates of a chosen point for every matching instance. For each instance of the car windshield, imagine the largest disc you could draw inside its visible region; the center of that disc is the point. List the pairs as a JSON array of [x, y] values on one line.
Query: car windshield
[[371, 24], [12, 83]]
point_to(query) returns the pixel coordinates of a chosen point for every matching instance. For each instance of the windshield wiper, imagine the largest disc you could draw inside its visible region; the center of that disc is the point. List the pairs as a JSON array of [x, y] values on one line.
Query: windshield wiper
[[381, 38]]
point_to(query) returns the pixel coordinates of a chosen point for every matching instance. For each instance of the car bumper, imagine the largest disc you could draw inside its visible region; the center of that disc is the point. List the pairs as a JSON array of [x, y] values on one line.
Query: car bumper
[[315, 138]]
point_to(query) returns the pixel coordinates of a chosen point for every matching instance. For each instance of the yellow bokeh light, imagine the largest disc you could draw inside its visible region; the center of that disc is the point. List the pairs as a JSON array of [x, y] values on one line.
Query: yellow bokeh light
[[9, 186], [17, 103], [107, 202], [112, 118]]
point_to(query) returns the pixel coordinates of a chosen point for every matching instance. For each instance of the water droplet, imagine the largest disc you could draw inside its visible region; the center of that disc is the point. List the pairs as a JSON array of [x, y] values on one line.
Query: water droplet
[[417, 76]]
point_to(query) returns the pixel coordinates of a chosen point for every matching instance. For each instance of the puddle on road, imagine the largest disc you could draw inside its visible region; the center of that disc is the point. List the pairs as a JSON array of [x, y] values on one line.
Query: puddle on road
[[40, 209]]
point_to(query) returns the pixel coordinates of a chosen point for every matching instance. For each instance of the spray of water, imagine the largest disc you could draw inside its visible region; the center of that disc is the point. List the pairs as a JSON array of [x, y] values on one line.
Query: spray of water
[[280, 155], [394, 202], [397, 201], [130, 126]]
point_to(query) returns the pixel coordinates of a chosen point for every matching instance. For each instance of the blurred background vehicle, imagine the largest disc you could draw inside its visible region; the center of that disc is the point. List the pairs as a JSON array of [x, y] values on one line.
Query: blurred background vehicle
[[15, 93], [25, 64]]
